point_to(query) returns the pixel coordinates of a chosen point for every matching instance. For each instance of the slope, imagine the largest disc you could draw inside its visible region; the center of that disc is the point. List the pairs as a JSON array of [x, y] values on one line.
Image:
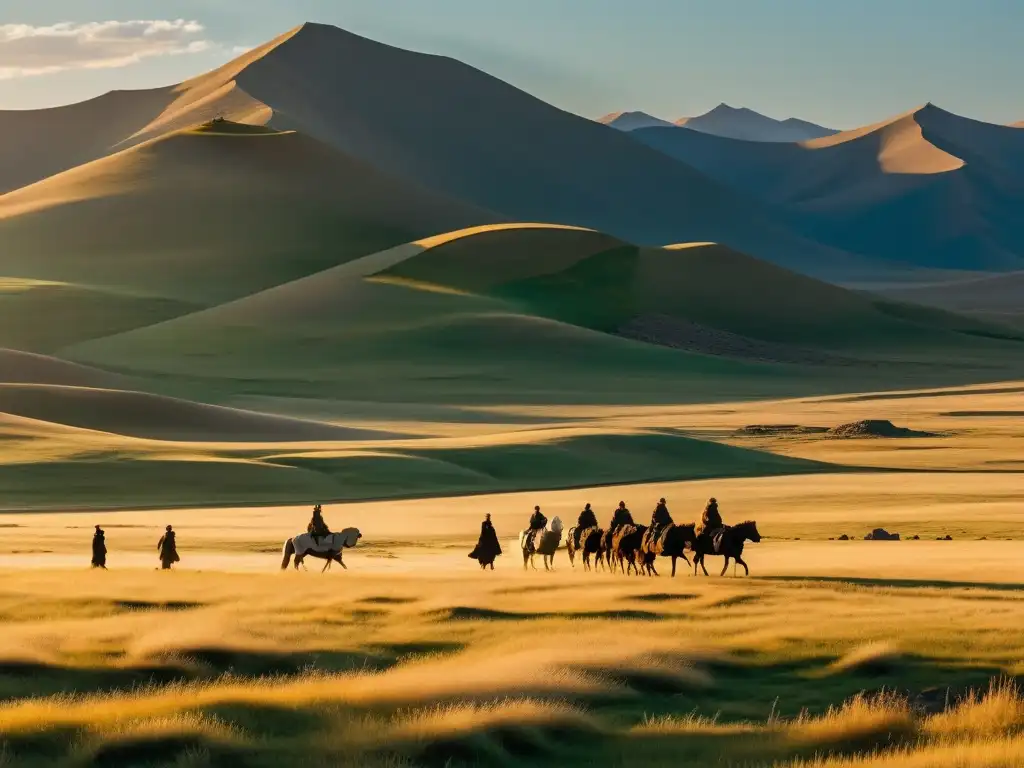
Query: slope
[[41, 143], [207, 215], [747, 125], [927, 187], [510, 153], [999, 297]]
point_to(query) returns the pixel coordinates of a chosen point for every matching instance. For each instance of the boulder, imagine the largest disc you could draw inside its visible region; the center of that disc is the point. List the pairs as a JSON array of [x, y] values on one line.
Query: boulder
[[880, 534]]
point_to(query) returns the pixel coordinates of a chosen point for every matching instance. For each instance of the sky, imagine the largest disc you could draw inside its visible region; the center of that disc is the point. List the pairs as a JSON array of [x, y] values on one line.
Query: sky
[[839, 63]]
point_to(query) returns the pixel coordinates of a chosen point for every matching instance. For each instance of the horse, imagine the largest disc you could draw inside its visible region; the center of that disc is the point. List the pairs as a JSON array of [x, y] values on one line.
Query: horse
[[730, 545], [549, 539], [671, 542], [328, 547], [590, 544], [626, 544]]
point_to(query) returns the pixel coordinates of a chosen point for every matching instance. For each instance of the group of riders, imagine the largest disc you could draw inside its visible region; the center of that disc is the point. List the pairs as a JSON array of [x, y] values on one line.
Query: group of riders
[[711, 520], [710, 524]]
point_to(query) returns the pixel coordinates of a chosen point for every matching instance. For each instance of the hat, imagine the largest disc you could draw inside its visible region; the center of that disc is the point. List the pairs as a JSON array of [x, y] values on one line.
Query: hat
[[537, 508], [713, 499], [98, 528], [168, 527], [662, 500], [588, 505]]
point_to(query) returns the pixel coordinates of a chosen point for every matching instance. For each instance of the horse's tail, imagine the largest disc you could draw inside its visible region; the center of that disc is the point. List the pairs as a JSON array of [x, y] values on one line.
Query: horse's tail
[[288, 550]]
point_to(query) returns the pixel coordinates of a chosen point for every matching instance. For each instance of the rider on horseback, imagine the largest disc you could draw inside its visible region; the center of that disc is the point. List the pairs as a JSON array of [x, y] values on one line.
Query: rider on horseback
[[317, 528], [620, 518], [659, 520], [537, 523], [587, 519], [711, 520]]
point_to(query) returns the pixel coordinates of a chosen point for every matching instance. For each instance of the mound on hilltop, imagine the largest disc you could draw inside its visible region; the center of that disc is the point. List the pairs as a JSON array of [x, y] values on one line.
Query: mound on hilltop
[[214, 213], [874, 428]]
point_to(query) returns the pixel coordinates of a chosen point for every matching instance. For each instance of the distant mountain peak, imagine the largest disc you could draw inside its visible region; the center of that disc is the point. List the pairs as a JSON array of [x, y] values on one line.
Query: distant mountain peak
[[748, 125], [634, 120]]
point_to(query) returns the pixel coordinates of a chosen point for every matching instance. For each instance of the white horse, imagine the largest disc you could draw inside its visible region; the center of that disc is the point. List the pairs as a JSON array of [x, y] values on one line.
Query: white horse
[[328, 547], [547, 545]]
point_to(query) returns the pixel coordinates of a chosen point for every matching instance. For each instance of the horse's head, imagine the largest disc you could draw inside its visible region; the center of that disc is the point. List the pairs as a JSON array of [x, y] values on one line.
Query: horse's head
[[555, 526], [749, 531], [350, 536]]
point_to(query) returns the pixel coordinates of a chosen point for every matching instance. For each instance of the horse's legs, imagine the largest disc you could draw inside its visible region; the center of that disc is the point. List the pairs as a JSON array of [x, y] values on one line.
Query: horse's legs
[[526, 556], [745, 569], [326, 565], [299, 561], [651, 570], [341, 562], [725, 567]]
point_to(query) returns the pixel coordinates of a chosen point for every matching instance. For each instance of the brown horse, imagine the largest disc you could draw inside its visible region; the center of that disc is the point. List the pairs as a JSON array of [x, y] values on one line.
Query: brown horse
[[590, 544], [626, 546], [671, 543], [728, 543]]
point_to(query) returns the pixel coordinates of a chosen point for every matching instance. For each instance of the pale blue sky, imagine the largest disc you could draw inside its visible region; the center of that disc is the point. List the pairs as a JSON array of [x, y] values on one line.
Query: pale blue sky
[[838, 63]]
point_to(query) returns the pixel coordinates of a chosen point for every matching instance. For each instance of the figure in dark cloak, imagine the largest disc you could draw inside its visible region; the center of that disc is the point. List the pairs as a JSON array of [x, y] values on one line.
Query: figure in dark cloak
[[487, 546], [168, 549], [99, 549]]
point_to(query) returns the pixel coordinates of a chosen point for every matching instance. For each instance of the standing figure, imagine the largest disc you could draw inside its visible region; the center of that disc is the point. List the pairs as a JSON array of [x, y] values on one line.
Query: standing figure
[[99, 549], [317, 528], [487, 546], [168, 549], [587, 519]]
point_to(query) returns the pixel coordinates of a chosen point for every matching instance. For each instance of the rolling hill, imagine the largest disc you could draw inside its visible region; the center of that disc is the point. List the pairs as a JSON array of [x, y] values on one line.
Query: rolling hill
[[533, 311], [747, 125], [928, 187], [193, 219]]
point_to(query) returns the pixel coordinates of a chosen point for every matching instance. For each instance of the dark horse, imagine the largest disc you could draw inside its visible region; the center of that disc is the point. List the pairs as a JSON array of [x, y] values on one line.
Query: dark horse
[[626, 546], [590, 544], [730, 545], [671, 543]]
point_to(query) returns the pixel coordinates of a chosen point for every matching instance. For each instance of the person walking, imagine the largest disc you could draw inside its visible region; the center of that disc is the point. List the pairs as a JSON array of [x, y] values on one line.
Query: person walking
[[99, 549]]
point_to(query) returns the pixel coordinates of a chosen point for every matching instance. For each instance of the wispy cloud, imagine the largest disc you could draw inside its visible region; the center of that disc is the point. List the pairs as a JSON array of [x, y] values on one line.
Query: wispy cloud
[[27, 50]]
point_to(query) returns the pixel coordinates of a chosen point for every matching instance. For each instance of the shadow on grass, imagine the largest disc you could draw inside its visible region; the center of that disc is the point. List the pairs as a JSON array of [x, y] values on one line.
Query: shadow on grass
[[469, 613], [898, 583]]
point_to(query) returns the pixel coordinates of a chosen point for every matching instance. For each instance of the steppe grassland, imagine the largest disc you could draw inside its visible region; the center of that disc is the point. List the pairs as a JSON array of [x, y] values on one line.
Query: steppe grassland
[[413, 656]]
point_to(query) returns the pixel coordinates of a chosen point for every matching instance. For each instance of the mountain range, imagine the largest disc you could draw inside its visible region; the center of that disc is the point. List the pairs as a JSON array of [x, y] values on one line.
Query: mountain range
[[731, 122]]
